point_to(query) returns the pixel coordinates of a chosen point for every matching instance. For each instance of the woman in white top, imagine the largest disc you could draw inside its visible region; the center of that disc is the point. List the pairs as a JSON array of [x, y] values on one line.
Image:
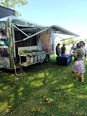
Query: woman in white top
[[83, 48]]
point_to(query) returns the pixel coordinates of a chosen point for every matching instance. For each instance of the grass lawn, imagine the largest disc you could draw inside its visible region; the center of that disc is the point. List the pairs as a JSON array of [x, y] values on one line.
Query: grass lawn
[[43, 90]]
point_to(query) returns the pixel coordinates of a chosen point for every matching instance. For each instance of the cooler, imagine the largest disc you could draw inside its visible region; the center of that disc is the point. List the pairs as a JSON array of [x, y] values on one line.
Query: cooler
[[64, 60]]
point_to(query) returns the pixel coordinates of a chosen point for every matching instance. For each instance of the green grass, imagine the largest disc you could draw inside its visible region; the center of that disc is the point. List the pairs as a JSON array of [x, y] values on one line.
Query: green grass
[[43, 90]]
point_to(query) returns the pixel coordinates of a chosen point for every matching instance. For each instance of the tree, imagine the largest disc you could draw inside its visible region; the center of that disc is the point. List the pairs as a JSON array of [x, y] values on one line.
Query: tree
[[69, 41], [13, 3]]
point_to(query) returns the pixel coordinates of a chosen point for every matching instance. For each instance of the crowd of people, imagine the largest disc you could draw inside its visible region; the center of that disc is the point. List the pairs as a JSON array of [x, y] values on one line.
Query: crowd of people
[[78, 52]]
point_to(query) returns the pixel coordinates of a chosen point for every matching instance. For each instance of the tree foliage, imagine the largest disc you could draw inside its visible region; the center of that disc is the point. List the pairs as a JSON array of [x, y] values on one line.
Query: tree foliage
[[69, 41], [13, 3]]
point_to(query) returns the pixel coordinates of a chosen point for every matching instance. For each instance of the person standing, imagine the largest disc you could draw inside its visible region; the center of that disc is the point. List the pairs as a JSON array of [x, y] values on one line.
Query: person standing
[[72, 49], [79, 65], [63, 49], [83, 48], [58, 50]]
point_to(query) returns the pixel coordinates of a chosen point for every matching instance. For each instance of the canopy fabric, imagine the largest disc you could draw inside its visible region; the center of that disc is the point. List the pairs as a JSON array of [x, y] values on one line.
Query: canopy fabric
[[61, 30], [37, 29]]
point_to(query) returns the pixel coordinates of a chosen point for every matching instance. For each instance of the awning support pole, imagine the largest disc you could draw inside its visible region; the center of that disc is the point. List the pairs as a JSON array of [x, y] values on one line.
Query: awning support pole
[[28, 37], [20, 30]]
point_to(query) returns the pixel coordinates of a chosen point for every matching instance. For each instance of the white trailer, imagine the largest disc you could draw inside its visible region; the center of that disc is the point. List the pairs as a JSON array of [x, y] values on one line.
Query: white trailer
[[24, 43]]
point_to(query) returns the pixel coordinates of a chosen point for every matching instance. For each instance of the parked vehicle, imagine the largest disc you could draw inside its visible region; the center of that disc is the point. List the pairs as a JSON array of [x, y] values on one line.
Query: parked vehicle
[[24, 43]]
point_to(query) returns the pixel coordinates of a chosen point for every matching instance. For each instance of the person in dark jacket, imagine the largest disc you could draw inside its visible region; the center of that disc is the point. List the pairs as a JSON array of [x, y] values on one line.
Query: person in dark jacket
[[58, 50], [63, 49]]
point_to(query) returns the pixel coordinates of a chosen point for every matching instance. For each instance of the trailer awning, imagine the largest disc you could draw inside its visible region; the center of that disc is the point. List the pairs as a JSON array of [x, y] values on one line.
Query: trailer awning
[[22, 24], [62, 33], [37, 30], [34, 29], [60, 30], [54, 28]]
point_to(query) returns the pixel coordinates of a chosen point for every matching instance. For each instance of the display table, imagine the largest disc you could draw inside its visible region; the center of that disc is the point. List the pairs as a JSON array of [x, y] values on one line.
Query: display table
[[64, 60]]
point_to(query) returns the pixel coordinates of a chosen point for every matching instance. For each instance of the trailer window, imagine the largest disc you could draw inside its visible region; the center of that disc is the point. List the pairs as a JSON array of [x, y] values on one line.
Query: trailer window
[[4, 52], [29, 42], [3, 37]]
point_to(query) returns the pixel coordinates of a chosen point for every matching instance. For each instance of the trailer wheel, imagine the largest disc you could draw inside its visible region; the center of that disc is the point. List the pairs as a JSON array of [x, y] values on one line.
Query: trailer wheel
[[47, 58]]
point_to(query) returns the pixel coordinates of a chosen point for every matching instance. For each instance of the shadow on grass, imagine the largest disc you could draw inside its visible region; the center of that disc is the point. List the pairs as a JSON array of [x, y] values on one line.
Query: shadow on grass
[[44, 90]]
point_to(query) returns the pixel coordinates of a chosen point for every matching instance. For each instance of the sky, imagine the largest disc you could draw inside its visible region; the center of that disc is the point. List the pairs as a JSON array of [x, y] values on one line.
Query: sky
[[69, 14]]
